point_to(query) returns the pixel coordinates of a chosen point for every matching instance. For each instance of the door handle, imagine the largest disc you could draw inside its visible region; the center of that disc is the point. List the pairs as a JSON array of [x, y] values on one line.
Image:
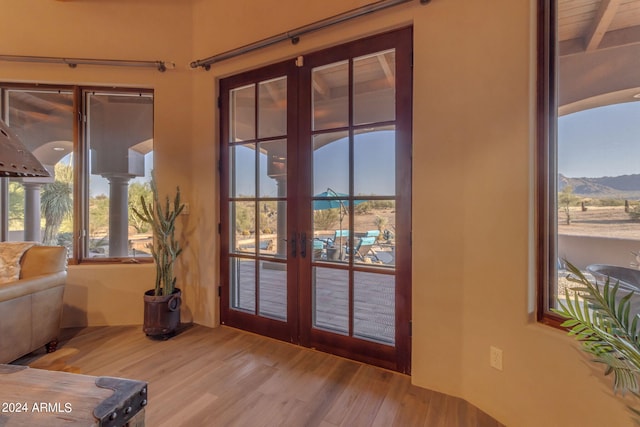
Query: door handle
[[303, 245]]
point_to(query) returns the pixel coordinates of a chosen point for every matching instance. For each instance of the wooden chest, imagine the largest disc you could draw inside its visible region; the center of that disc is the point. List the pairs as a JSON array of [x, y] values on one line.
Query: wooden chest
[[36, 397]]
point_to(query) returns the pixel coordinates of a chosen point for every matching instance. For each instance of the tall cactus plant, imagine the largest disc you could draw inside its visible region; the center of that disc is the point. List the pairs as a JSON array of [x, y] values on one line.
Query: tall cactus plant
[[165, 249]]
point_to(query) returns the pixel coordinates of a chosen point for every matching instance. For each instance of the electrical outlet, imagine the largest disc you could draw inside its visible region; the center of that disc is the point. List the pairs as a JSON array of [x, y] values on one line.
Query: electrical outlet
[[495, 358]]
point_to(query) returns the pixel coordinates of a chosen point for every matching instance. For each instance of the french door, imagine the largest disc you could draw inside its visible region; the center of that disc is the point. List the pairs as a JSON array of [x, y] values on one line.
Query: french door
[[316, 200]]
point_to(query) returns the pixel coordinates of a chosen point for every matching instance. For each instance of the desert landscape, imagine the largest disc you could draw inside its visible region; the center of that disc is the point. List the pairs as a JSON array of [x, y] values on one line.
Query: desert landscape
[[602, 221]]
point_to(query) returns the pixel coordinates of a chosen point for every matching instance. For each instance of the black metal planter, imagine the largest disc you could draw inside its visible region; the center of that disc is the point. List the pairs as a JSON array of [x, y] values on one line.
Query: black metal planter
[[161, 314]]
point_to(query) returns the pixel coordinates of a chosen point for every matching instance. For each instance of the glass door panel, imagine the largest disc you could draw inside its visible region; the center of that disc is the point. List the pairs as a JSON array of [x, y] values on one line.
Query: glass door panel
[[242, 234], [243, 279], [330, 100], [272, 107], [360, 201], [243, 170], [374, 158], [373, 307], [354, 181], [331, 163], [273, 290], [255, 294], [375, 179], [331, 300], [374, 88], [242, 121], [273, 168]]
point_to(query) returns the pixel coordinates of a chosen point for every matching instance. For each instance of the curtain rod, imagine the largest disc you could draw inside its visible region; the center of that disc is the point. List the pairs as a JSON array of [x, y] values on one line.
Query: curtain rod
[[294, 35], [161, 66]]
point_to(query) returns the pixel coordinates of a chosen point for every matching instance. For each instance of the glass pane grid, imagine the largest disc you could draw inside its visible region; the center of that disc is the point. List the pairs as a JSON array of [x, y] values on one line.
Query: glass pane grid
[[353, 198], [257, 196]]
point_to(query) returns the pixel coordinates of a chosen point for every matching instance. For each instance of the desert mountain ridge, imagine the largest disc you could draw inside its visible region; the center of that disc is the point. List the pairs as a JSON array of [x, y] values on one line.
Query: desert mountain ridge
[[606, 186]]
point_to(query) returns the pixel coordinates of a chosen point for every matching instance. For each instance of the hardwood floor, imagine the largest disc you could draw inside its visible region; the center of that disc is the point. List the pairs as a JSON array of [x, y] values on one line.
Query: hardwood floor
[[226, 377]]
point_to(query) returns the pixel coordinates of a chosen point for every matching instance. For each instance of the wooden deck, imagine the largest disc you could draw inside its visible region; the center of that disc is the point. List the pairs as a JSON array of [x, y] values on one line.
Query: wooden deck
[[373, 306], [225, 377]]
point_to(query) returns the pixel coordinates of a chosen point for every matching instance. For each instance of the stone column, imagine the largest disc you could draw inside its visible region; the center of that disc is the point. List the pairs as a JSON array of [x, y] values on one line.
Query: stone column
[[31, 211], [118, 216]]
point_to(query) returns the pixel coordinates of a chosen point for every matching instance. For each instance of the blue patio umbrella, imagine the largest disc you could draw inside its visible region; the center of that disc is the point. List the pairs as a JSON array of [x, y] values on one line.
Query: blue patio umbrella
[[334, 200], [330, 200]]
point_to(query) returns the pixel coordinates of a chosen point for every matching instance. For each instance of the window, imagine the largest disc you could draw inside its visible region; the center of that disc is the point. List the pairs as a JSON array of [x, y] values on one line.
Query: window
[[588, 153], [100, 165]]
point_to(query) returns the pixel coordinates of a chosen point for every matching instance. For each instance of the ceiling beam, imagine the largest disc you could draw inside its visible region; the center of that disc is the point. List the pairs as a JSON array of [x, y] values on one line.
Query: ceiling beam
[[320, 85], [384, 63], [622, 37], [612, 39], [274, 94], [601, 23]]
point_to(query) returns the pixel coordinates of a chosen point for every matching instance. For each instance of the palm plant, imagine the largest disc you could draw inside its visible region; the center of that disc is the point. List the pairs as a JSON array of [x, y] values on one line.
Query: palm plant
[[56, 204], [165, 249], [606, 328]]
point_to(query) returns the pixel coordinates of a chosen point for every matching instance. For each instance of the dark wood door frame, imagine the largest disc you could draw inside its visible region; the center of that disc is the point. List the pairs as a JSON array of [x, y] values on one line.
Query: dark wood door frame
[[298, 328]]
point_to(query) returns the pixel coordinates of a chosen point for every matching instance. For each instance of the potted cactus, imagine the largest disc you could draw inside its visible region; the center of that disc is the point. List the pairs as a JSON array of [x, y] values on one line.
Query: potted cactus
[[162, 304]]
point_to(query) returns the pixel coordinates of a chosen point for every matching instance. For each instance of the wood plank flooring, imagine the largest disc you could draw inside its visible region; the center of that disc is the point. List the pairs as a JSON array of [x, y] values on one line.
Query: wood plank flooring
[[226, 377]]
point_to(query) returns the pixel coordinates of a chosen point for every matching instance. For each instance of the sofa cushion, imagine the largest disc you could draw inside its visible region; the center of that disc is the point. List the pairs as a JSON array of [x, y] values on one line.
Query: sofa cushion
[[41, 260], [10, 255]]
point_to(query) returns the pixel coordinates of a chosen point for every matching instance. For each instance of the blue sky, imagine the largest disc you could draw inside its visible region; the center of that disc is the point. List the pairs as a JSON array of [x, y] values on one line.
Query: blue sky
[[603, 141], [374, 167]]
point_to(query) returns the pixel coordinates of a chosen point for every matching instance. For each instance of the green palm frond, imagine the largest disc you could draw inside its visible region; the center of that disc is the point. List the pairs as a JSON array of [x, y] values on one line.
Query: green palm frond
[[600, 318], [56, 204]]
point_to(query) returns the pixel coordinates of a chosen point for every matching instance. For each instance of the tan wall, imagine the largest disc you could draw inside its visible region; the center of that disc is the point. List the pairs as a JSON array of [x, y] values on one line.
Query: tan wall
[[116, 29], [584, 250], [473, 136], [97, 295]]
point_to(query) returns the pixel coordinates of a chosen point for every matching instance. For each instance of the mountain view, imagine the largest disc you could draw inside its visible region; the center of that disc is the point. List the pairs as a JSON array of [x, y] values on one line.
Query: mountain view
[[623, 186]]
